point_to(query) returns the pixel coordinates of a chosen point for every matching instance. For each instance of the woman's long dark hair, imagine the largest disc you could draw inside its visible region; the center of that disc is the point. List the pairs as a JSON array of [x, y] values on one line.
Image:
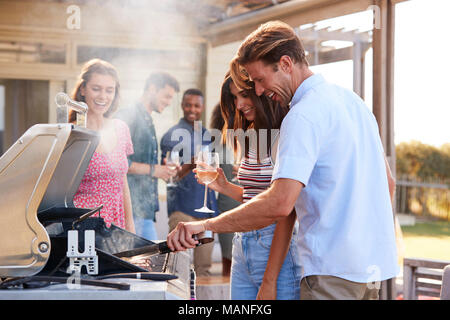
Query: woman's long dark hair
[[217, 121], [268, 114]]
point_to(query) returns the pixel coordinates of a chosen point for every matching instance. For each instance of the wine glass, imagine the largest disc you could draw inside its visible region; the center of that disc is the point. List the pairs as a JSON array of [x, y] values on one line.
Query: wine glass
[[207, 164], [172, 161]]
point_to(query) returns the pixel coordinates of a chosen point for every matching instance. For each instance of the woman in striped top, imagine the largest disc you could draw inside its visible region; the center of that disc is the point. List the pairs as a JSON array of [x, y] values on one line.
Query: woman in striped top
[[255, 176], [261, 268]]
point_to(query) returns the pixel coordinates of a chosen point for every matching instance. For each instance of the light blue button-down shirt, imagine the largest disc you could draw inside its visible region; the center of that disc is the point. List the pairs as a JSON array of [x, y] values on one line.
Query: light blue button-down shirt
[[330, 142]]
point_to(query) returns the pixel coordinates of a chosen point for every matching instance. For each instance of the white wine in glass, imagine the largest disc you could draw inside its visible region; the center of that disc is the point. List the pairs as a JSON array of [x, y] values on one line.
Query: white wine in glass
[[172, 161], [207, 164], [207, 176]]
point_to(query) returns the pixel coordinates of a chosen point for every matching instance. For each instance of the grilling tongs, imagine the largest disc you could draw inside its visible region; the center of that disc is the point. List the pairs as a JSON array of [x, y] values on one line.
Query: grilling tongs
[[162, 247]]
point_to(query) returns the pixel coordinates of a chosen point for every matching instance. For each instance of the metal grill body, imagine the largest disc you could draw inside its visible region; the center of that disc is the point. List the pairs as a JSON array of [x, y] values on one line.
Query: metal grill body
[[39, 176]]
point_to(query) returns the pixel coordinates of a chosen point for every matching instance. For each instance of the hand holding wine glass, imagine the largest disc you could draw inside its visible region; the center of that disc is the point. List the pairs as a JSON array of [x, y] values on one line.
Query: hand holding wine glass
[[207, 165], [219, 184], [172, 162]]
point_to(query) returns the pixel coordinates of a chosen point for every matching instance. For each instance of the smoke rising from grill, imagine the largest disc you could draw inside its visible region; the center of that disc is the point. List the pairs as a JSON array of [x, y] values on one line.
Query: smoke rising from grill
[[138, 38]]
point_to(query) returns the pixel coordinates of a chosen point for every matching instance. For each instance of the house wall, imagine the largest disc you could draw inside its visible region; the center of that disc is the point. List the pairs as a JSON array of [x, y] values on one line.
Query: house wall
[[218, 60], [50, 41], [44, 44]]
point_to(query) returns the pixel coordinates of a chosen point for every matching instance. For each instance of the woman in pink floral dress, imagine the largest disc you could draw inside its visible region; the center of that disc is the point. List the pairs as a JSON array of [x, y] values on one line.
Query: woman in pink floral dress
[[105, 180]]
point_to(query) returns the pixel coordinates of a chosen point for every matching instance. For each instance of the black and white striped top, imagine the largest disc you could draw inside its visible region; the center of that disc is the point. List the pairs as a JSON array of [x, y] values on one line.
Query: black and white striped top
[[254, 176]]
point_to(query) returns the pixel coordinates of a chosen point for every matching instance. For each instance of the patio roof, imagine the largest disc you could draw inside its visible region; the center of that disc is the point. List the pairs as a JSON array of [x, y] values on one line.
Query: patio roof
[[301, 12], [224, 21], [294, 12]]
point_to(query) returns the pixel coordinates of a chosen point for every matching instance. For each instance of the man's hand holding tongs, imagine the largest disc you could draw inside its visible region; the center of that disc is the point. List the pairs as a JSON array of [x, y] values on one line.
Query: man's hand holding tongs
[[182, 237]]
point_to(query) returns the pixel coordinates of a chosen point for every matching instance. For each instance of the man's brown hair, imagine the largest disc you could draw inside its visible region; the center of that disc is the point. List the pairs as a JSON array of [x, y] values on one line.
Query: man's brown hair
[[268, 43]]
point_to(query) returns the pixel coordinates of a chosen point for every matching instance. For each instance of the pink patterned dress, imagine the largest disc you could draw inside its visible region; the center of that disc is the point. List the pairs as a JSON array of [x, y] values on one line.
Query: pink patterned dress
[[102, 182]]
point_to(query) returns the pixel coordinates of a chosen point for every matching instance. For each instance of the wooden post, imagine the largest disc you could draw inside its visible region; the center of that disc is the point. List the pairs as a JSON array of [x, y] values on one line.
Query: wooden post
[[203, 52], [359, 51], [383, 91], [358, 72], [409, 287], [383, 77]]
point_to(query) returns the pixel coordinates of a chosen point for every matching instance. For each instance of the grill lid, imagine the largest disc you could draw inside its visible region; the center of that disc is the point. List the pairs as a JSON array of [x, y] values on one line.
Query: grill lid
[[70, 169], [41, 170]]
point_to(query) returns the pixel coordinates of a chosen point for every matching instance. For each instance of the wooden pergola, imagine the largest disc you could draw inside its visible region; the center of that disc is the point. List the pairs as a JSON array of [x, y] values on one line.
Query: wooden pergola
[[319, 53], [301, 12], [219, 22]]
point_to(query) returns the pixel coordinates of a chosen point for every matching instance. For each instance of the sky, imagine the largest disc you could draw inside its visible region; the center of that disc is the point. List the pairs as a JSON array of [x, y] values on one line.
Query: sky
[[422, 69]]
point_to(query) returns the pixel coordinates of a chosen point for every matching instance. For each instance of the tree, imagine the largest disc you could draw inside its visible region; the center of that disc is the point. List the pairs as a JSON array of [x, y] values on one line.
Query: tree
[[423, 161]]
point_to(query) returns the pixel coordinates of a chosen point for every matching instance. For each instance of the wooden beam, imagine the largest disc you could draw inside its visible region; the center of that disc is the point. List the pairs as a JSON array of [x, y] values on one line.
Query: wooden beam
[[390, 143], [426, 263], [119, 26], [358, 69], [383, 89], [383, 77], [331, 56], [409, 289], [359, 63], [294, 13], [326, 34], [379, 70], [36, 71]]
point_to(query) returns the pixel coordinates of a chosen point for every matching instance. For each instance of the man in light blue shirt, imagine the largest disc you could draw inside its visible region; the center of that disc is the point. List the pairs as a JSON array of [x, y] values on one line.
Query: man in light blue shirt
[[330, 167], [329, 142]]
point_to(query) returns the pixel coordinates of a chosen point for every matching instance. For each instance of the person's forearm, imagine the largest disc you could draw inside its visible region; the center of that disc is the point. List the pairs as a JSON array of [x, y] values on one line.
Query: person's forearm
[[280, 247], [128, 211], [258, 213], [391, 180], [269, 206], [233, 191], [185, 170], [129, 220], [139, 168]]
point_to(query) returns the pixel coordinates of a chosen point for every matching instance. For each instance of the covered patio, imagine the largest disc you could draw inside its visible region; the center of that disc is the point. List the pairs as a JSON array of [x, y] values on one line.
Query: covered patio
[[44, 43]]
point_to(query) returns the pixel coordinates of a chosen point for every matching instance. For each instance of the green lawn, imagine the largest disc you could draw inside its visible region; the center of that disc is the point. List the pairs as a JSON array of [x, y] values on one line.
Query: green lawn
[[429, 240]]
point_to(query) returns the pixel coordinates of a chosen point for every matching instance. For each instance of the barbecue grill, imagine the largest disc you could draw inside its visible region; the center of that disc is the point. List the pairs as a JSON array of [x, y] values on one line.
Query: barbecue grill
[[42, 233]]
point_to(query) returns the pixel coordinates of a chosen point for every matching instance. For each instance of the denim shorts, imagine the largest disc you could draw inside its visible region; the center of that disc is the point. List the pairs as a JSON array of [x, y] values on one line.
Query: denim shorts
[[250, 255]]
